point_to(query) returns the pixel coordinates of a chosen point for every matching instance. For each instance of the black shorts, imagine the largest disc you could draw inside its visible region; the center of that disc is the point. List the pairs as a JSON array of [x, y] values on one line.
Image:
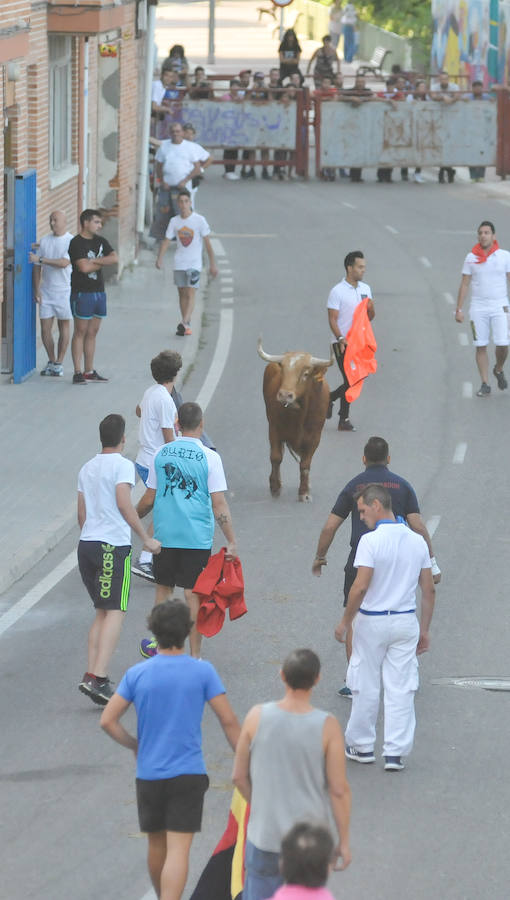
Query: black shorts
[[350, 575], [176, 566], [106, 573], [171, 804]]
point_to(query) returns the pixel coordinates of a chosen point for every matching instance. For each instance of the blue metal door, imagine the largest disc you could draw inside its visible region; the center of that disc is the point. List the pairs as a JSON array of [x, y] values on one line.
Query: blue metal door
[[24, 307]]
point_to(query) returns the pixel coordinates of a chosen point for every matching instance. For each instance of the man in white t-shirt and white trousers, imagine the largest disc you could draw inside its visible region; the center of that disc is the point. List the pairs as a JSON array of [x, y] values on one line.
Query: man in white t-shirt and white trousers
[[392, 561], [342, 301], [191, 231], [106, 517], [52, 290], [486, 269]]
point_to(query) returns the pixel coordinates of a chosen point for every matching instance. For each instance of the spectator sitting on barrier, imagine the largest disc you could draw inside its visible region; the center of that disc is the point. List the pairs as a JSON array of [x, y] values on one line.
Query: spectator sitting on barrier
[[244, 82], [326, 60], [477, 173], [396, 73], [274, 83], [444, 91], [176, 60], [234, 95], [289, 53], [356, 96], [200, 88]]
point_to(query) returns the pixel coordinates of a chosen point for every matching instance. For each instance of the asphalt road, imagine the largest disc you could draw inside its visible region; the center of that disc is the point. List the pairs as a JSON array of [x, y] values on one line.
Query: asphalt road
[[438, 830]]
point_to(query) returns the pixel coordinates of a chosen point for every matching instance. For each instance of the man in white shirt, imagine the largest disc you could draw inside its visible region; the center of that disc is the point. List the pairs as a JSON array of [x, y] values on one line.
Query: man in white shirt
[[178, 162], [191, 231], [342, 301], [52, 290], [391, 561], [106, 516], [157, 413], [486, 269]]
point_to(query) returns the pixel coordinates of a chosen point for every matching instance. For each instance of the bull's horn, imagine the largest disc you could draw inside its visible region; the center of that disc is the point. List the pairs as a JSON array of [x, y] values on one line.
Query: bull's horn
[[266, 356], [315, 361]]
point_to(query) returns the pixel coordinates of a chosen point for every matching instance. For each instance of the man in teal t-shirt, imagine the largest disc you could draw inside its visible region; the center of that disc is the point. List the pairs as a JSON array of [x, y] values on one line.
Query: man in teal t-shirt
[[185, 488]]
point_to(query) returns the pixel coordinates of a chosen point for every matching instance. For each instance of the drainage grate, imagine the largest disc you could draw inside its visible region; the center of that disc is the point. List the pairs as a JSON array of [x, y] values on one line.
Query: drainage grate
[[476, 682]]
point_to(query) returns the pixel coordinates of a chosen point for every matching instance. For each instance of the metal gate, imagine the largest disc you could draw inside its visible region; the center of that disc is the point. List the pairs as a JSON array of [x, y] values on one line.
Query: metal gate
[[24, 317]]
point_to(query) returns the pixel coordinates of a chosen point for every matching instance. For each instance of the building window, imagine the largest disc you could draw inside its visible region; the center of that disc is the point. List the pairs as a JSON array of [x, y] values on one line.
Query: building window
[[60, 75]]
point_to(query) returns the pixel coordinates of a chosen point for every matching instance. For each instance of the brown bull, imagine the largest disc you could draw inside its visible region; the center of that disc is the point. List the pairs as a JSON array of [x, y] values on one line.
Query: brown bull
[[297, 397]]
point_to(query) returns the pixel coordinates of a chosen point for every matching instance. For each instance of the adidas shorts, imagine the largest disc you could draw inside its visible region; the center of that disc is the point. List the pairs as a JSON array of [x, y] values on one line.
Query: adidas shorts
[[485, 321], [106, 573]]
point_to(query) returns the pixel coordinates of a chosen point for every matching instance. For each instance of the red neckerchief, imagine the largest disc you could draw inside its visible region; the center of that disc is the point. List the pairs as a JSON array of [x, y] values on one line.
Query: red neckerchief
[[481, 255]]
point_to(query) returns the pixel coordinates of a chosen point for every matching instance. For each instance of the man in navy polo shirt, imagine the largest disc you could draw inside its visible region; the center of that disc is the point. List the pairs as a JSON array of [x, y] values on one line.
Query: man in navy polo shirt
[[376, 458]]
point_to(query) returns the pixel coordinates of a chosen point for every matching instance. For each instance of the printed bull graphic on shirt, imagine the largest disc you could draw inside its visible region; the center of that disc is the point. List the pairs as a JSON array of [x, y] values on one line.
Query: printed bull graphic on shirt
[[175, 478]]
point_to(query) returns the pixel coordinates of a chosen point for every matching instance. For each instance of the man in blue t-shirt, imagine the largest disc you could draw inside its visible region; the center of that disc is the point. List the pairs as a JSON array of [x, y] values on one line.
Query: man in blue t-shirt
[[169, 693], [185, 488], [376, 458]]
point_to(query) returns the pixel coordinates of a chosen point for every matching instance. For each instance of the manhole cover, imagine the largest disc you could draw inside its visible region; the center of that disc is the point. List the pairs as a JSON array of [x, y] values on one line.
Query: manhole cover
[[476, 682]]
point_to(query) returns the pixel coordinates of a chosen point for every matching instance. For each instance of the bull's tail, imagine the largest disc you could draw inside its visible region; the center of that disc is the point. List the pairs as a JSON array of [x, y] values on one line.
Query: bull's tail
[[292, 452]]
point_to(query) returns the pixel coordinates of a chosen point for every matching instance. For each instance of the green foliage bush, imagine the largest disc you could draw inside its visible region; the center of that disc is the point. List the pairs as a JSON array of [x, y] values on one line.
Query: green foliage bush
[[408, 18]]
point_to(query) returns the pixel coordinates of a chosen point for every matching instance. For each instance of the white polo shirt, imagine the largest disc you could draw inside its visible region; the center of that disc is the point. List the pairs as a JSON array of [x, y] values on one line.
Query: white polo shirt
[[345, 298], [397, 555], [178, 160], [488, 279]]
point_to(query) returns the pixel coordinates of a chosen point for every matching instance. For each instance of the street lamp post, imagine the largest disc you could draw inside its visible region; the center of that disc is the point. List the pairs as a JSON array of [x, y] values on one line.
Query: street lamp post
[[210, 55]]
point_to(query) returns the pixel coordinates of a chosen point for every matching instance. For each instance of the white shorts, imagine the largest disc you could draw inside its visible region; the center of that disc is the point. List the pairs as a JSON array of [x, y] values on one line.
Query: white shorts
[[485, 321], [56, 304], [187, 278]]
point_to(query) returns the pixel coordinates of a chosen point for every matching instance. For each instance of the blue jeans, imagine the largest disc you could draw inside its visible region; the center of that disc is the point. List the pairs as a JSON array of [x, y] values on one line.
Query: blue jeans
[[263, 876], [349, 43]]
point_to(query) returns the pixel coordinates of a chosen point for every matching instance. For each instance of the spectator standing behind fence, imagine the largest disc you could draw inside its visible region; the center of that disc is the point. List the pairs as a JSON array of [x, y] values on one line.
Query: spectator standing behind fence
[[289, 53], [444, 91], [477, 173], [335, 22], [285, 97], [164, 91], [177, 61], [326, 91], [327, 64], [420, 94], [191, 231], [357, 95], [234, 95], [349, 22], [177, 163], [200, 88]]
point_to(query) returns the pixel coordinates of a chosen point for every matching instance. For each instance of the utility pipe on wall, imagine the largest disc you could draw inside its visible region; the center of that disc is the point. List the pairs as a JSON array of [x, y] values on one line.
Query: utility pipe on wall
[[143, 170]]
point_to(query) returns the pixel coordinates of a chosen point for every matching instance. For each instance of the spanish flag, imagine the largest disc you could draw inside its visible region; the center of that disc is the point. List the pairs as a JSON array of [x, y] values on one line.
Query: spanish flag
[[223, 876]]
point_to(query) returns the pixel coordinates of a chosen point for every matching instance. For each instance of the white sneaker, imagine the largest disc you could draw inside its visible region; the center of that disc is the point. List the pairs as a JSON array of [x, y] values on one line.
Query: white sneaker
[[231, 176], [57, 369], [418, 178]]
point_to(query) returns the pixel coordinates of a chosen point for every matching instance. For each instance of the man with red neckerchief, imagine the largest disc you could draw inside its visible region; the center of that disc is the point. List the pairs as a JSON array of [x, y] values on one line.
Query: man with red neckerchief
[[485, 271]]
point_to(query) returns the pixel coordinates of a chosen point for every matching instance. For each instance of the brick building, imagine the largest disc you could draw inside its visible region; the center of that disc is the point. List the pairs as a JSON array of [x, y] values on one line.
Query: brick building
[[72, 76]]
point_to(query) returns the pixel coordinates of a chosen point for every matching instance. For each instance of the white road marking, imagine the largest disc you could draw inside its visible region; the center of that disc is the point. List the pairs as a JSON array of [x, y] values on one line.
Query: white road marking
[[226, 279], [447, 231], [467, 389], [37, 592], [463, 339], [432, 524], [460, 453], [227, 289], [448, 297], [225, 272], [227, 300], [219, 359], [219, 249], [348, 205], [391, 229], [237, 235], [425, 262]]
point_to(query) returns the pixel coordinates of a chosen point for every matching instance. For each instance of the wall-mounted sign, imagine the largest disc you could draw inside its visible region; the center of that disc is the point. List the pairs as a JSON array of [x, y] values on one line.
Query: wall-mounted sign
[[108, 50]]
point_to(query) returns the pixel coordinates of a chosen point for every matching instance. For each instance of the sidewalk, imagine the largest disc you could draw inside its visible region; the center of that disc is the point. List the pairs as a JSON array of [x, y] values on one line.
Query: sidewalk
[[49, 427]]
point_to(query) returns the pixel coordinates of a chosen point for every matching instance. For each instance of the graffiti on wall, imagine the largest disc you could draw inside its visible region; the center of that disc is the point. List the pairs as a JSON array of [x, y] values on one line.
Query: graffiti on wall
[[224, 124], [472, 38]]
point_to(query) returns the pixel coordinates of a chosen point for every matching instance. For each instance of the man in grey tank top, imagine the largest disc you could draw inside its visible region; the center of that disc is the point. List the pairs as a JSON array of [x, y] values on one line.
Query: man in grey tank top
[[290, 767]]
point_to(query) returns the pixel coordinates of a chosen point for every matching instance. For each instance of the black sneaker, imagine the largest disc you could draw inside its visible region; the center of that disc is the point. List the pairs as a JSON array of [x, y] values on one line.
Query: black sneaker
[[484, 390], [345, 692], [345, 425], [79, 378], [101, 691], [500, 378], [143, 570], [393, 764], [180, 330], [85, 685], [94, 377], [358, 756]]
